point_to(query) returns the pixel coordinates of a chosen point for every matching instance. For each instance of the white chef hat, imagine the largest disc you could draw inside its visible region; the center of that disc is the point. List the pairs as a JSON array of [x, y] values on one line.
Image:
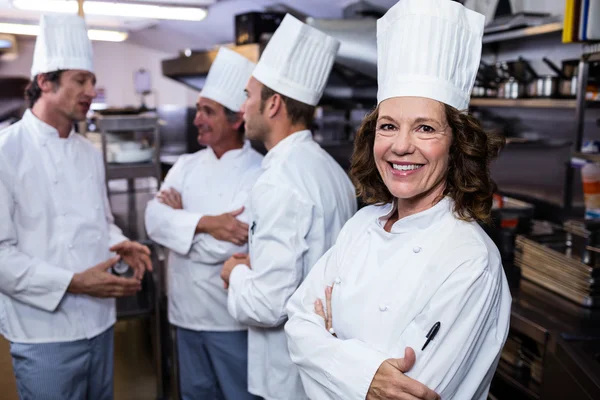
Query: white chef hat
[[297, 61], [429, 48], [62, 43], [227, 78]]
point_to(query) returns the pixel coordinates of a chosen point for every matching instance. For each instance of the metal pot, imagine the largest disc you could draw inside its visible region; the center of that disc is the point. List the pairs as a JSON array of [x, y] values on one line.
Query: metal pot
[[511, 89], [567, 84], [544, 87]]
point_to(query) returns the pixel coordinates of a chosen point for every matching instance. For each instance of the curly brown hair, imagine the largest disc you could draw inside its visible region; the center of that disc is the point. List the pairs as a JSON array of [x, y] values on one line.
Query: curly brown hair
[[468, 182]]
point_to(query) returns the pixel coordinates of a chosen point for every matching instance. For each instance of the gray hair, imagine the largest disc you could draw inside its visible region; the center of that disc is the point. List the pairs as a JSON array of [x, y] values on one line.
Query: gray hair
[[233, 117]]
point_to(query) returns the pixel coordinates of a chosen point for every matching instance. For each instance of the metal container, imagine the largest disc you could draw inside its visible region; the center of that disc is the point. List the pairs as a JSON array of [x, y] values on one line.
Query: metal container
[[511, 88], [544, 87]]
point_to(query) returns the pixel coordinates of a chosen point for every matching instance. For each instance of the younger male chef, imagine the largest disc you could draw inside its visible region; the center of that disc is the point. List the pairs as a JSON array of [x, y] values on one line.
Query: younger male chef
[[57, 305], [298, 205], [199, 215]]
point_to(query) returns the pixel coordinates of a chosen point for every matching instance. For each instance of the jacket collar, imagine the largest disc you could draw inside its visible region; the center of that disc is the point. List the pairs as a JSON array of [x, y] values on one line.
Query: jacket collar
[[231, 154], [281, 148], [418, 221], [42, 132]]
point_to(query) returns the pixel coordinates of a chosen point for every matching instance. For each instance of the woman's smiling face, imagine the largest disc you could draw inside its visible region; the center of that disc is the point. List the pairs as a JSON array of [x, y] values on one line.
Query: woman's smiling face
[[412, 147]]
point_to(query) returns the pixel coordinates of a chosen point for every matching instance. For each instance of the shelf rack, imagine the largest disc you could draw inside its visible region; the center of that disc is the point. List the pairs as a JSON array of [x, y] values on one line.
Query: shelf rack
[[591, 53], [553, 27]]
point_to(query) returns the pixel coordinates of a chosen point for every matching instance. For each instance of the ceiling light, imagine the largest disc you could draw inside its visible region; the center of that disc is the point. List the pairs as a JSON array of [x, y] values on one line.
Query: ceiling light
[[93, 34], [114, 9], [5, 44]]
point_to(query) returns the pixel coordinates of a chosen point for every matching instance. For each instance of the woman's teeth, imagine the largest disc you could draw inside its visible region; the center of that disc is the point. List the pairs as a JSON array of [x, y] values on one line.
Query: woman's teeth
[[409, 167]]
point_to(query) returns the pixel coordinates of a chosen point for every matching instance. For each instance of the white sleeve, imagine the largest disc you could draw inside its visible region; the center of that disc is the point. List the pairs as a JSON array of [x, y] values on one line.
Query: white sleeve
[[208, 250], [330, 368], [281, 220], [467, 343], [27, 279], [174, 229]]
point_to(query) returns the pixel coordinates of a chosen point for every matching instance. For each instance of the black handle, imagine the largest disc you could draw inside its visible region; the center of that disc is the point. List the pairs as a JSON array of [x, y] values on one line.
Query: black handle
[[554, 68]]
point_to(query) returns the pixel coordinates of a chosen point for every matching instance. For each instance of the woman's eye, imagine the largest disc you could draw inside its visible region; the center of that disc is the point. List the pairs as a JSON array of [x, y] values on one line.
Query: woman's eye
[[426, 129], [385, 127]]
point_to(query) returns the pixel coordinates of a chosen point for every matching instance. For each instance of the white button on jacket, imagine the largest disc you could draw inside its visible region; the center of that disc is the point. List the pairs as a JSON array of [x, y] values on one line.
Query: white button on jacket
[[457, 280], [299, 205], [54, 223], [208, 186]]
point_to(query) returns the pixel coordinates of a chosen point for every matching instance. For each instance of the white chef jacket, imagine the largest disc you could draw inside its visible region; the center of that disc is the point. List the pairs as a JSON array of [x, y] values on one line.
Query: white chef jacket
[[208, 186], [299, 206], [56, 221], [389, 290]]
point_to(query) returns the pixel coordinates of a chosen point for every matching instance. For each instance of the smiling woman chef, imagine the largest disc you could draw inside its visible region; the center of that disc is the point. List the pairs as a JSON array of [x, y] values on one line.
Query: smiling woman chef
[[415, 260]]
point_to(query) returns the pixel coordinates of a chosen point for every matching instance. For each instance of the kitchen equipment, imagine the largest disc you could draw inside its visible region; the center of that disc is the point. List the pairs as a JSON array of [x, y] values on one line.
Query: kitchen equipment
[[521, 70], [546, 86], [570, 69], [486, 82], [551, 266], [509, 218], [514, 76], [250, 26], [511, 88]]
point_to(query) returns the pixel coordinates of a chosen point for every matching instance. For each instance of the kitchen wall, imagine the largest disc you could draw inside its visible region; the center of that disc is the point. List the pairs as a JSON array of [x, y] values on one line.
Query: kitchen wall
[[115, 64]]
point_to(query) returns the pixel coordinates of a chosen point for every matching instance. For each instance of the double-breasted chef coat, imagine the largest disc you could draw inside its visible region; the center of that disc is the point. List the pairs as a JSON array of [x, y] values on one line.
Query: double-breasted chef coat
[[55, 222], [389, 289], [299, 205], [208, 186]]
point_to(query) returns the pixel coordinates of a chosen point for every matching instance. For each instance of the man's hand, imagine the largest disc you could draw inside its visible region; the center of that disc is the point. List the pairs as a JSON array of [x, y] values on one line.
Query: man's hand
[[390, 383], [170, 197], [228, 267], [136, 255], [225, 227], [98, 282]]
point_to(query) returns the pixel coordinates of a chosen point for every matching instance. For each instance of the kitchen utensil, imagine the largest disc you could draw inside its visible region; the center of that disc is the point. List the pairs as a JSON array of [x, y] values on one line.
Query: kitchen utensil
[[545, 86]]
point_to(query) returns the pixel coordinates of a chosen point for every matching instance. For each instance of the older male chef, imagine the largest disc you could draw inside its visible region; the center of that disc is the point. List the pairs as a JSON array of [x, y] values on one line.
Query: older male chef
[[298, 205], [198, 215], [56, 293]]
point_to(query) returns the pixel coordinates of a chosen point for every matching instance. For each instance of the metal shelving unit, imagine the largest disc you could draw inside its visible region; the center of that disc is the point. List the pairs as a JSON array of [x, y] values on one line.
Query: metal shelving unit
[[523, 103], [591, 53], [553, 27], [148, 303], [126, 124]]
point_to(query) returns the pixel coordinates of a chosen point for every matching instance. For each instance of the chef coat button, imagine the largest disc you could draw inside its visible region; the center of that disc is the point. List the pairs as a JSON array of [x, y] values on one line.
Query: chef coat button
[[97, 207], [70, 247], [55, 181], [64, 214], [369, 230], [383, 307], [416, 249], [338, 281]]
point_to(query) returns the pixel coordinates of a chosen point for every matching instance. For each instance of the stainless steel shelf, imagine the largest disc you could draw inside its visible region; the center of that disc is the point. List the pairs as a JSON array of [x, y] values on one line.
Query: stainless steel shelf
[[131, 171], [523, 33], [525, 103], [127, 122]]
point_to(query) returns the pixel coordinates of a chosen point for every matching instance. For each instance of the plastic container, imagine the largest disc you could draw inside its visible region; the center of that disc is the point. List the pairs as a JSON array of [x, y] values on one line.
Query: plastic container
[[590, 176]]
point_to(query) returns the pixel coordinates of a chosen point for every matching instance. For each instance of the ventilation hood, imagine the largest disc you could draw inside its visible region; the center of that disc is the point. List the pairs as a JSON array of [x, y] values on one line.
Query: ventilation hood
[[352, 80]]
